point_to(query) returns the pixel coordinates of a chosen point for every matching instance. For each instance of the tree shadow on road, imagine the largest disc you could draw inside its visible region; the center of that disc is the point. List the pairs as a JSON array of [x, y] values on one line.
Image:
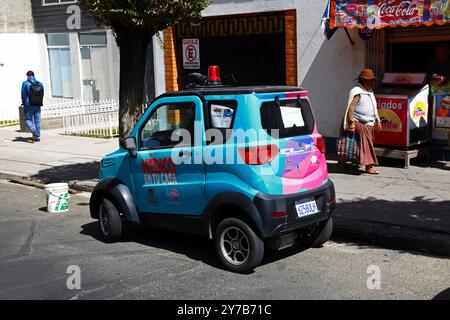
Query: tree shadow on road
[[70, 172], [443, 165], [420, 162], [421, 224], [194, 247]]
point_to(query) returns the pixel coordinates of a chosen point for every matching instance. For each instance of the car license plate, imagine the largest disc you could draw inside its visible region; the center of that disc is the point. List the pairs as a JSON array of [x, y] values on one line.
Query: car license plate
[[306, 208]]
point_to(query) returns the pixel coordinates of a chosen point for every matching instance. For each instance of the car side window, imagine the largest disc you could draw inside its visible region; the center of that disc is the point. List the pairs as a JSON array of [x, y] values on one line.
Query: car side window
[[221, 115], [163, 128]]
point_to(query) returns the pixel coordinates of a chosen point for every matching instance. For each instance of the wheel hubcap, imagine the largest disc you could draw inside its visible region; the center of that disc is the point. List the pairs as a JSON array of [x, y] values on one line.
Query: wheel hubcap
[[104, 222], [235, 246]]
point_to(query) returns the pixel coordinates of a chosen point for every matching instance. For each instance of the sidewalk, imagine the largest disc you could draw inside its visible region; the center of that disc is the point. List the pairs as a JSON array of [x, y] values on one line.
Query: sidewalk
[[57, 158], [401, 209], [405, 209]]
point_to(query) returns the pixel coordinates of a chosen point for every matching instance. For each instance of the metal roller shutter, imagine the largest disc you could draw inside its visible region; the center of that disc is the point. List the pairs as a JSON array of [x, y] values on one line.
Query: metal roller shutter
[[375, 53], [418, 34]]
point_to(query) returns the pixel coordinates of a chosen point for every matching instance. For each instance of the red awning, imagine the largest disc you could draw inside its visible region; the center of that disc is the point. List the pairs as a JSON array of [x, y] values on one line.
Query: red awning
[[376, 14]]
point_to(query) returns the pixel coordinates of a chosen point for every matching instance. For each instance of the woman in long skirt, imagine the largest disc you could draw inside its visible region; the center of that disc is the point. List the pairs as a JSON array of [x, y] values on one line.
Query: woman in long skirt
[[362, 119]]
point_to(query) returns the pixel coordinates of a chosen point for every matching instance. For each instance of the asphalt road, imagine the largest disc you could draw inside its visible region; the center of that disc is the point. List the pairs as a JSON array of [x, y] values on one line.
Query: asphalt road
[[36, 249]]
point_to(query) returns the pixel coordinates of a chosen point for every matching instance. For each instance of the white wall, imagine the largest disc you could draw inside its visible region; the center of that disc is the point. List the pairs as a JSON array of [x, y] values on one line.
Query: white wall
[[158, 60], [19, 53], [325, 68]]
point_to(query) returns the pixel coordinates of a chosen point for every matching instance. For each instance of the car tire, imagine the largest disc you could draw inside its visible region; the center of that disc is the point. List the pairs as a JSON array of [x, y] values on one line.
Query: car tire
[[238, 247], [110, 223], [320, 235]]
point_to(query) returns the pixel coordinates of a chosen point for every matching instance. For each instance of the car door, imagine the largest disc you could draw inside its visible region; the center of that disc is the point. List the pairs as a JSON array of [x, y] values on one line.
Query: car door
[[168, 171]]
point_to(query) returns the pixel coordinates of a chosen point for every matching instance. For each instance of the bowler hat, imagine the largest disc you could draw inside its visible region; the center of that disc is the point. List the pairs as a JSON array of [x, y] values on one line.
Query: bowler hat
[[367, 74]]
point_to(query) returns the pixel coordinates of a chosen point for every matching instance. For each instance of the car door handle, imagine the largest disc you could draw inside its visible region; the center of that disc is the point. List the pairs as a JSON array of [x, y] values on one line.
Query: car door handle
[[185, 154]]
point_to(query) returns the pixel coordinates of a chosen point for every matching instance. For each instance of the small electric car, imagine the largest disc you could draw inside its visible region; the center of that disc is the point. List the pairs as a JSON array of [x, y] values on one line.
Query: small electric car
[[243, 166]]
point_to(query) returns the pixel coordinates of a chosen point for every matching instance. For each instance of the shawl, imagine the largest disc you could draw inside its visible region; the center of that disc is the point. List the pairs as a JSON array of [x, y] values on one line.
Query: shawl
[[358, 90]]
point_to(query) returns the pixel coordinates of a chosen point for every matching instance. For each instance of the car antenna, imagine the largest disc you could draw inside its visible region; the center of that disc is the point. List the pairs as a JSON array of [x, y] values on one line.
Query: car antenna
[[277, 101]]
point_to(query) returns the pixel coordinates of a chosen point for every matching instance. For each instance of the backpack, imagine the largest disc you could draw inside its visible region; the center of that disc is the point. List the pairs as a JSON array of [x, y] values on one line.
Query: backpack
[[36, 94]]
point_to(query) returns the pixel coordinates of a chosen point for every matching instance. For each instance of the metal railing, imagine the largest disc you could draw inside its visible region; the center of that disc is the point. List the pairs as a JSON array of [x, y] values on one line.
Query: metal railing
[[102, 125], [78, 107], [64, 107], [93, 119], [97, 118], [9, 114]]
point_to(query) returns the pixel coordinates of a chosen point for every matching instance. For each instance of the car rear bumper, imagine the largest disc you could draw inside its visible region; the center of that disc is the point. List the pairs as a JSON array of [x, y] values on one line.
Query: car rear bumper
[[277, 227]]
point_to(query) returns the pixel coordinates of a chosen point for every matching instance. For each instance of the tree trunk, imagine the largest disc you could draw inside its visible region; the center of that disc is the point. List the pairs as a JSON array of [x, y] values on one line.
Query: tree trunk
[[133, 44]]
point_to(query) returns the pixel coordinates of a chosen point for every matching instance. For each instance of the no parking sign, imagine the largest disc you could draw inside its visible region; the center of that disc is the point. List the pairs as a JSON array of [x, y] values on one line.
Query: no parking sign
[[191, 54]]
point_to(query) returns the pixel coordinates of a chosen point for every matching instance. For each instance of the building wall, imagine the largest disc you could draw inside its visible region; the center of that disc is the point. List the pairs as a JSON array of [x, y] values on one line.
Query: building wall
[[53, 18], [17, 61], [15, 16], [23, 28], [325, 68], [17, 29], [158, 61]]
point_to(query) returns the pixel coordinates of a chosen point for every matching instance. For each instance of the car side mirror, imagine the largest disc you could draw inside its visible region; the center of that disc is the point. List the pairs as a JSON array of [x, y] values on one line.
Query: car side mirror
[[129, 144]]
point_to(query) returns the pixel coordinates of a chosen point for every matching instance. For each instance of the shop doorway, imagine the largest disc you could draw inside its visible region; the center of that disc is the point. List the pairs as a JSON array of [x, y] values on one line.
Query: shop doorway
[[255, 49], [250, 60], [411, 57]]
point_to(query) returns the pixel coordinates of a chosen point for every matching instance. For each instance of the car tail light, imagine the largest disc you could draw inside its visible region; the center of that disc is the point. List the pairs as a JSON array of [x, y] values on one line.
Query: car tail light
[[280, 214], [330, 197], [258, 155], [321, 145]]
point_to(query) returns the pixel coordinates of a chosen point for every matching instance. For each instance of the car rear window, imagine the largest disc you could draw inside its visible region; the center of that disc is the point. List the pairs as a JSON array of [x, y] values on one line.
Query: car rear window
[[290, 117]]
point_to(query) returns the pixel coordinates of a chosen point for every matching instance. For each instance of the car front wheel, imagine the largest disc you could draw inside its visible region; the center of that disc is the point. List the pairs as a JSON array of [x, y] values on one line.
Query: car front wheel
[[239, 248], [110, 223]]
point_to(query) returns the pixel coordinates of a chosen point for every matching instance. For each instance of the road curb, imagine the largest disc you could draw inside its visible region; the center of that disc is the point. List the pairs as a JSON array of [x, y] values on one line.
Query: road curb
[[74, 187], [393, 236]]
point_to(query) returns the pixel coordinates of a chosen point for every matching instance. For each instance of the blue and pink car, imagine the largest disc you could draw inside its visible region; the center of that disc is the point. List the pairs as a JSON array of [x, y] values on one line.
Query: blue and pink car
[[242, 166]]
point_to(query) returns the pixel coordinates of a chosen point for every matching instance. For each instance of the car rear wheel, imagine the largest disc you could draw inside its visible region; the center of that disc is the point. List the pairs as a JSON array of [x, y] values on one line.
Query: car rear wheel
[[239, 248], [110, 223], [318, 235]]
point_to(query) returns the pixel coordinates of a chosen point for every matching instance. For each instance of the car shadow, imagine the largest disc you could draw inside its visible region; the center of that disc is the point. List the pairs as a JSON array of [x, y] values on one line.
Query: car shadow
[[194, 247], [444, 295]]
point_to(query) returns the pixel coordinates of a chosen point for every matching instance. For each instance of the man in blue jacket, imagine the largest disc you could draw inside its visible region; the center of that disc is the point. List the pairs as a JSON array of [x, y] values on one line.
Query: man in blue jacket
[[32, 100]]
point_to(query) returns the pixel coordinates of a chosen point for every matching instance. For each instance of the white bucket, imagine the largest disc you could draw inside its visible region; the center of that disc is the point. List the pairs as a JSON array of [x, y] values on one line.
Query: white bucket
[[57, 197]]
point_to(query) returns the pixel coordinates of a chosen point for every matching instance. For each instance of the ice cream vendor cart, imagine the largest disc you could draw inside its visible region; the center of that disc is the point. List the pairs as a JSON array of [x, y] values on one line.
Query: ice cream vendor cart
[[402, 102], [441, 114]]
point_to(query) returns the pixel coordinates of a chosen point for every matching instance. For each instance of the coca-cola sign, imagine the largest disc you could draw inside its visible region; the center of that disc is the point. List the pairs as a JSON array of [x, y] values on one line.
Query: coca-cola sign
[[374, 14], [397, 10]]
